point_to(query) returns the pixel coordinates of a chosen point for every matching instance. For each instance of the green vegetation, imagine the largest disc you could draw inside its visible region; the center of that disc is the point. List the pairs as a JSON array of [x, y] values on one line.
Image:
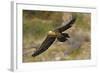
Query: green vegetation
[[83, 21], [36, 24]]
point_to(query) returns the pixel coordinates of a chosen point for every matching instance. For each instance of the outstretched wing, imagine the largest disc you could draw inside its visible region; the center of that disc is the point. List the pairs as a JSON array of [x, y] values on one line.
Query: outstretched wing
[[45, 45], [66, 25]]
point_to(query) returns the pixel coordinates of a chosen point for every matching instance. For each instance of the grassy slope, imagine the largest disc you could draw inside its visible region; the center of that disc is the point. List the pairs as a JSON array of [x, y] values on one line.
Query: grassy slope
[[35, 29]]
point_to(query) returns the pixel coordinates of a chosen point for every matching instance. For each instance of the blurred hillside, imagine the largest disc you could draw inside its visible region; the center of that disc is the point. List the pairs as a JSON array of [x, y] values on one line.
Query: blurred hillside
[[36, 24]]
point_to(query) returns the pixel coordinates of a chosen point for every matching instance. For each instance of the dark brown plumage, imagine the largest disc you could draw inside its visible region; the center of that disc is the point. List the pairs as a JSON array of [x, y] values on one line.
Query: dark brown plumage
[[52, 35], [44, 46]]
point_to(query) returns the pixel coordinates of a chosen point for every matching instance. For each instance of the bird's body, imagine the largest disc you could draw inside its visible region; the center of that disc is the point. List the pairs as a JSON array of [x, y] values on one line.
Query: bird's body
[[55, 34]]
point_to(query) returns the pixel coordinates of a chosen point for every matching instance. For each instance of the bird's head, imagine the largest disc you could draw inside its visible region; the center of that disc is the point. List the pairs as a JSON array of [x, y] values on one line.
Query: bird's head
[[52, 33]]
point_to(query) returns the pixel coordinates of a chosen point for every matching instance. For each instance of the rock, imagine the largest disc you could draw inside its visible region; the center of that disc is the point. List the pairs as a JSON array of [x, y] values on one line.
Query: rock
[[57, 58]]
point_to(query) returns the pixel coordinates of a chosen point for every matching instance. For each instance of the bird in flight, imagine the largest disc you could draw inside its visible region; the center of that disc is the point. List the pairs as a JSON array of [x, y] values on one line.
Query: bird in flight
[[58, 34]]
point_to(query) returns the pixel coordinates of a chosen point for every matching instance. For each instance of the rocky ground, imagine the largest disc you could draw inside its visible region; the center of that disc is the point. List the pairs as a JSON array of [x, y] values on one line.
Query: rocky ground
[[77, 47]]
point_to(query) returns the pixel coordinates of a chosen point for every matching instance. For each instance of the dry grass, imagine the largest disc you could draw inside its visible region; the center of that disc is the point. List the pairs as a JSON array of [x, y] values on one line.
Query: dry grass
[[35, 29]]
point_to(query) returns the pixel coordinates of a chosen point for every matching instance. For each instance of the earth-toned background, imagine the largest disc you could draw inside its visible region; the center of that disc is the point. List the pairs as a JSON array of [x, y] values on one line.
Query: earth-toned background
[[36, 25]]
